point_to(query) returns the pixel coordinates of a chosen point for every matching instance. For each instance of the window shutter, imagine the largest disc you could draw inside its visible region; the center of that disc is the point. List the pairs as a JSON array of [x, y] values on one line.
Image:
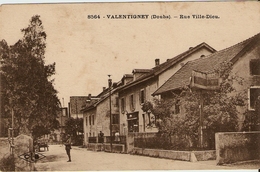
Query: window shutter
[[144, 94], [134, 101], [140, 96]]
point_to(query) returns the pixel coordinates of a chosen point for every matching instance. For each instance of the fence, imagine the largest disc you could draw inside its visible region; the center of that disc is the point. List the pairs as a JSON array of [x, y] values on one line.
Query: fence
[[92, 139], [174, 142], [106, 139]]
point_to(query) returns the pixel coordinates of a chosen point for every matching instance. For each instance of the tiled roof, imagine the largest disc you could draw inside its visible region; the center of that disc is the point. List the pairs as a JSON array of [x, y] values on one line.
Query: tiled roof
[[142, 70], [128, 75], [164, 66], [207, 64], [102, 97]]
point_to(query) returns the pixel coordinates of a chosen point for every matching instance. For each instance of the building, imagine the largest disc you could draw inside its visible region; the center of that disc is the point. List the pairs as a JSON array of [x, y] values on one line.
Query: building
[[75, 105], [245, 57], [138, 87], [96, 113], [62, 116]]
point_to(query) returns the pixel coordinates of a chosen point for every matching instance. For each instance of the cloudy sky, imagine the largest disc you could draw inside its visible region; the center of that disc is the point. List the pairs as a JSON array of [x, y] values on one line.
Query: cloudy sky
[[87, 50]]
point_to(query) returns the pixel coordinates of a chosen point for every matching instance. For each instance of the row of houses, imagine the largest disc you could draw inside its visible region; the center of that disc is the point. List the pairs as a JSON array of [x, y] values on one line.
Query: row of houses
[[129, 94]]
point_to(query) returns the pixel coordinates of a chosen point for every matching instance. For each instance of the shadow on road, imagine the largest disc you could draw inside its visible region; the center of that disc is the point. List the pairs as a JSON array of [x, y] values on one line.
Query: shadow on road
[[43, 164], [50, 158]]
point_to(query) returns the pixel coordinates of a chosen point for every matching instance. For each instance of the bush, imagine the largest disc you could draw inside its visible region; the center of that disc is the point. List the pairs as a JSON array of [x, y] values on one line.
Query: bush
[[7, 163]]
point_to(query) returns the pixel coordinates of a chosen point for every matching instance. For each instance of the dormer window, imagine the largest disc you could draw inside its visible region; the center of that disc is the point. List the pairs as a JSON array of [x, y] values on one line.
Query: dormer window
[[255, 67]]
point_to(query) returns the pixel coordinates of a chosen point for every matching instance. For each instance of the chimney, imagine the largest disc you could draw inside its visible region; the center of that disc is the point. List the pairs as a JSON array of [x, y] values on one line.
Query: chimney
[[109, 83], [104, 88], [89, 96], [157, 62]]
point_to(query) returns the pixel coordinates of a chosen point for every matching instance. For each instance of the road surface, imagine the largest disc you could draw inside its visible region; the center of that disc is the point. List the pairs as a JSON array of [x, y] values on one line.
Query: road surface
[[84, 160]]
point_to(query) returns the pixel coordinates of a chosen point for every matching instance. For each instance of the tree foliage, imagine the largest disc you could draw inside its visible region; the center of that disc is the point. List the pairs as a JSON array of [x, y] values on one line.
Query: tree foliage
[[27, 87], [252, 118], [73, 127], [218, 107]]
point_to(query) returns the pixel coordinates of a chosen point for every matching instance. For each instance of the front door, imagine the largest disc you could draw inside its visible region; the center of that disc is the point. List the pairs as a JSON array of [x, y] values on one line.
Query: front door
[[133, 122]]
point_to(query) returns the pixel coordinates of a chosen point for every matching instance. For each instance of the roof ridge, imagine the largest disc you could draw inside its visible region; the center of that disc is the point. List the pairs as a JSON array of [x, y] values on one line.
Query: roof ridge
[[154, 93], [225, 49], [172, 61], [207, 63]]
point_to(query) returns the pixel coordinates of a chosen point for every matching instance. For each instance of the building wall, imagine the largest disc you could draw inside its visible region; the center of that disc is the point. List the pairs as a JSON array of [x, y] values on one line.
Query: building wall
[[76, 103], [150, 87], [101, 116], [242, 69], [88, 128], [167, 74]]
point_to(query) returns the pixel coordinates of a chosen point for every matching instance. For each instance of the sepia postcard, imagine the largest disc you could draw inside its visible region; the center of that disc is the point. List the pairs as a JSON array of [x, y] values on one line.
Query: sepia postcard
[[113, 86]]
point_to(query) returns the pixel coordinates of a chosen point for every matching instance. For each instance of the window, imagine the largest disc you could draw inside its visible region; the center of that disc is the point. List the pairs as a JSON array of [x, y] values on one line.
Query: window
[[254, 93], [142, 96], [89, 120], [86, 121], [122, 104], [132, 102], [117, 102], [255, 67], [115, 118], [93, 120], [64, 112]]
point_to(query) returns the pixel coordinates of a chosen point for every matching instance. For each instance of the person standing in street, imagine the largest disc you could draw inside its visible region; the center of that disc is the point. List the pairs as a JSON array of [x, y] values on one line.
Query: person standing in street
[[68, 147], [101, 137]]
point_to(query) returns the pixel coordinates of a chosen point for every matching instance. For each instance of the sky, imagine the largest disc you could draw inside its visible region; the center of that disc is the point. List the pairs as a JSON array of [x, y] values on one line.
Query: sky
[[86, 50]]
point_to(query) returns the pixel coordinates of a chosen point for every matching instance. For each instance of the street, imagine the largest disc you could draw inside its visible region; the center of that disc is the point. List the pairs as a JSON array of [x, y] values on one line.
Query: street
[[82, 160]]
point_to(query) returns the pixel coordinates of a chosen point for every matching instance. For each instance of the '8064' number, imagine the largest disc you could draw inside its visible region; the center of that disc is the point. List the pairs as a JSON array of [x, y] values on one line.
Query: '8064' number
[[93, 16]]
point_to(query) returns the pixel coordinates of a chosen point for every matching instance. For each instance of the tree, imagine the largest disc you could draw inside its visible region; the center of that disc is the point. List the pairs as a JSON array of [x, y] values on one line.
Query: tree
[[27, 85], [73, 127], [219, 109], [252, 118]]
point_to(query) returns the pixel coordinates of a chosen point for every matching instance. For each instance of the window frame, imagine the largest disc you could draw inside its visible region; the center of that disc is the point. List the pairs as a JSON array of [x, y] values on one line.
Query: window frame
[[89, 120], [132, 102], [249, 100], [142, 96], [122, 104], [251, 66]]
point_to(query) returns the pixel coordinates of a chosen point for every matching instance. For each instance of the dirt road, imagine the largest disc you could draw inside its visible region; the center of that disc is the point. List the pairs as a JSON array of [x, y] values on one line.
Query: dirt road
[[84, 160]]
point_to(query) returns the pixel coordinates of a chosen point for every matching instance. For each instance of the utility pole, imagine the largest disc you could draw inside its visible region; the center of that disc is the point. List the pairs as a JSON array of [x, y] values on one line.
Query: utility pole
[[109, 85], [201, 119]]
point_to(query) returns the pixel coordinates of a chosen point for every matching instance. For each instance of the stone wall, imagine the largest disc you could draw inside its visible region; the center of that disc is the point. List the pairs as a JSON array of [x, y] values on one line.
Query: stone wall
[[131, 136], [191, 156], [237, 146], [116, 148]]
